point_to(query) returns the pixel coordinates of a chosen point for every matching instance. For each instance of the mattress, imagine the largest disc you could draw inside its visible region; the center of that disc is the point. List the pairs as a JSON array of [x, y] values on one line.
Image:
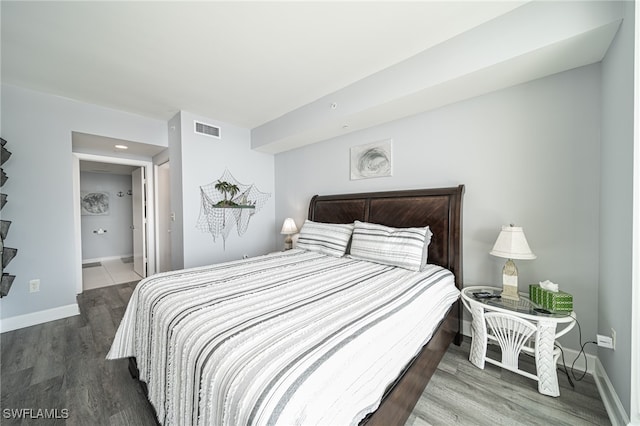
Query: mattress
[[294, 337]]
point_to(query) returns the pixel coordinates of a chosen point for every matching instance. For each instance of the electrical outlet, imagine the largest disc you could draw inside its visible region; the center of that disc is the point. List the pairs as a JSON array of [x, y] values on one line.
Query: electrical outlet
[[604, 341], [613, 339], [34, 286]]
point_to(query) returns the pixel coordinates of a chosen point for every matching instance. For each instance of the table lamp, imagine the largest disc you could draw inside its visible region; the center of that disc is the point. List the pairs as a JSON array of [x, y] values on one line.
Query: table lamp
[[288, 228], [511, 244]]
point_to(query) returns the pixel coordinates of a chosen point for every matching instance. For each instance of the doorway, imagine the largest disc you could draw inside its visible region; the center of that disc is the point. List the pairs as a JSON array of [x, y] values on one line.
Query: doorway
[[119, 265], [112, 210]]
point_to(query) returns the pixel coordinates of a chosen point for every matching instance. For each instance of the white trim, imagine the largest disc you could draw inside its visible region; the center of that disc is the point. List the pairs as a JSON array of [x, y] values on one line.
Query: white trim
[[151, 227], [156, 170], [156, 207], [105, 259], [157, 212], [635, 250], [612, 403], [77, 252], [35, 318]]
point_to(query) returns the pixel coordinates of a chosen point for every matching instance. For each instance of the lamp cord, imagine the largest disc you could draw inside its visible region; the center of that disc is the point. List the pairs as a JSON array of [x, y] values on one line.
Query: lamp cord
[[582, 352]]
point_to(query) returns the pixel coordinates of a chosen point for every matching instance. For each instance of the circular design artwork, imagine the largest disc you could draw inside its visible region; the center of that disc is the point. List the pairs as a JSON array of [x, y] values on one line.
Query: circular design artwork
[[374, 162], [95, 203], [371, 160]]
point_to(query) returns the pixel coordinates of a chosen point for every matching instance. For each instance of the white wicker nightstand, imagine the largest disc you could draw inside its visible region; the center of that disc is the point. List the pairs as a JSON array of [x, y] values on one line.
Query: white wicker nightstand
[[516, 327]]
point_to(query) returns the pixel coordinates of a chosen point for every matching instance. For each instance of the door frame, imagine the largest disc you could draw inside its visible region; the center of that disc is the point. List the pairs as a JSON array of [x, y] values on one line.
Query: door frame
[[139, 199], [635, 274], [156, 170], [151, 227]]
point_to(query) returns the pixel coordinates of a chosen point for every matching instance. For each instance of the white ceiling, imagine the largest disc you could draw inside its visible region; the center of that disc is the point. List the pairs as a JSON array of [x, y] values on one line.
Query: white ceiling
[[243, 63], [276, 67]]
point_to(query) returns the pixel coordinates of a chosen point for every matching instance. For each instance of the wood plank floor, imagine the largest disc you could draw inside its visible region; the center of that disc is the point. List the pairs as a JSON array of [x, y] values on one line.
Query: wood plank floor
[[61, 366], [461, 394]]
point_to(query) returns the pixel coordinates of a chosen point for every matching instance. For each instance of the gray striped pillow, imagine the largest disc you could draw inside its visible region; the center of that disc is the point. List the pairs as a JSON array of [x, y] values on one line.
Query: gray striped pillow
[[403, 247], [327, 238]]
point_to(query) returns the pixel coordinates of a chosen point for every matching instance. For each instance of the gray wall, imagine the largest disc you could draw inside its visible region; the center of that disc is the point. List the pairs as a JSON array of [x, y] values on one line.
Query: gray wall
[[204, 160], [528, 155], [38, 128], [616, 206], [118, 240]]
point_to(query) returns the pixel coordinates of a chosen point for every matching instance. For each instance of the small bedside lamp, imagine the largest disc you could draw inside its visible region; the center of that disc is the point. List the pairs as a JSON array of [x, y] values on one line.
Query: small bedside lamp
[[511, 244], [288, 228]]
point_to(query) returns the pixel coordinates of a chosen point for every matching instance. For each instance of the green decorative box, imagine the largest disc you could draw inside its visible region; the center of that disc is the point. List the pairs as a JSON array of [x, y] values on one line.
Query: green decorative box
[[554, 301]]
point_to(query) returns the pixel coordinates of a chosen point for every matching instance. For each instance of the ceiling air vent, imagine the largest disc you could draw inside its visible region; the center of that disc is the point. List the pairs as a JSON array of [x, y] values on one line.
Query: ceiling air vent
[[206, 129]]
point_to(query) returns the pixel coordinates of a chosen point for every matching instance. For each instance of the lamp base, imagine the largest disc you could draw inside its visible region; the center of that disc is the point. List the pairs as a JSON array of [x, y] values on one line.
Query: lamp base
[[510, 293], [510, 281], [288, 242]]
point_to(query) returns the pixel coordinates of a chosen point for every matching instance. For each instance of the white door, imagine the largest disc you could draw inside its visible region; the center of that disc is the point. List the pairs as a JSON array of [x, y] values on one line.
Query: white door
[[139, 222], [164, 218]]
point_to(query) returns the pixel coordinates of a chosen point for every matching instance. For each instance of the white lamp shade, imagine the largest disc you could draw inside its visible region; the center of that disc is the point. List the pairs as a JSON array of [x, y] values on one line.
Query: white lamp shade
[[289, 227], [512, 244]]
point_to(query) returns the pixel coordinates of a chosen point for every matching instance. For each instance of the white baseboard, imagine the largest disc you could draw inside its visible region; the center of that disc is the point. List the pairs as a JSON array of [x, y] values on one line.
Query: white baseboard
[[27, 320], [616, 411], [105, 259]]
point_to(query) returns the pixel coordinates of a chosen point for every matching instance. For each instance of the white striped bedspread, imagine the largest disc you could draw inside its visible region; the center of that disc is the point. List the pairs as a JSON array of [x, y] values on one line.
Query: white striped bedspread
[[287, 338]]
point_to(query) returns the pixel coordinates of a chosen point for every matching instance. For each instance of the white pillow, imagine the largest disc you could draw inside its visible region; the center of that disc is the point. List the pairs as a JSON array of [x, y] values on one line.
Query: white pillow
[[403, 247], [326, 238]]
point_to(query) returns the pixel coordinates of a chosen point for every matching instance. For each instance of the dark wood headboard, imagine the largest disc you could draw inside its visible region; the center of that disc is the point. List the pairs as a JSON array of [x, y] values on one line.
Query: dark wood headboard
[[439, 208]]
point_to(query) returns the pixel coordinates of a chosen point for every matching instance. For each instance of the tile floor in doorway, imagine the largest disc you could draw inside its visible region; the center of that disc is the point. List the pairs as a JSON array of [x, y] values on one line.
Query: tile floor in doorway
[[108, 272]]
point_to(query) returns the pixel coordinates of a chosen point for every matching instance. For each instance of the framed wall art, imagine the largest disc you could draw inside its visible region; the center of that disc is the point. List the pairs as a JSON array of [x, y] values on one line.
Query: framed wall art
[[371, 160], [94, 203]]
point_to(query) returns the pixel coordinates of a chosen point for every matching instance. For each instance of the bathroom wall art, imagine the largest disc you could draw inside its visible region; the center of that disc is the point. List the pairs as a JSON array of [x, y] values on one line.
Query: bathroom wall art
[[94, 203]]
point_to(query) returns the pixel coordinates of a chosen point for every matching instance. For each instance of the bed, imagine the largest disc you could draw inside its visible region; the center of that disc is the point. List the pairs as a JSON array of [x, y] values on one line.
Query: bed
[[317, 325]]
